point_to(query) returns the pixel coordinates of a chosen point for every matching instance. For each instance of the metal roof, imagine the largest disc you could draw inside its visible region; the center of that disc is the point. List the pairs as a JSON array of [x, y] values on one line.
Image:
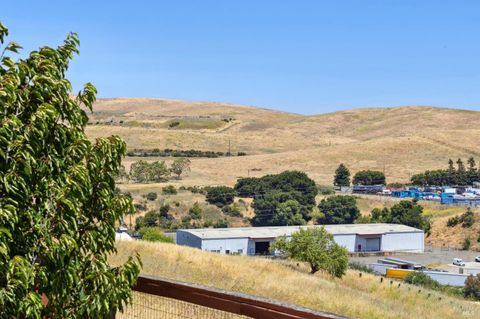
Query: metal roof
[[277, 231]]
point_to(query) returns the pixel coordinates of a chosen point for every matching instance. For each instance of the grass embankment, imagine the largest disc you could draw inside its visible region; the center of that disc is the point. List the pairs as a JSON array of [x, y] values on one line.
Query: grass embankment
[[364, 297]]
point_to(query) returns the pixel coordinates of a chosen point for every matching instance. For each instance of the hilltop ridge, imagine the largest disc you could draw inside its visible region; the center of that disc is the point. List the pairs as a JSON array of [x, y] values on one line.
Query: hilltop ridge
[[399, 140]]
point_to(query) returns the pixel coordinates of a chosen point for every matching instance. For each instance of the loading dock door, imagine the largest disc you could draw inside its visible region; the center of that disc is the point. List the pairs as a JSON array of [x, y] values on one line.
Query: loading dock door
[[262, 247], [373, 244]]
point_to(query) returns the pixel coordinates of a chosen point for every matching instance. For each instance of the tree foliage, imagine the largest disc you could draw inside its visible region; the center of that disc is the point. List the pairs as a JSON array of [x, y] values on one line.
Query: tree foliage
[[270, 191], [459, 175], [406, 212], [472, 287], [154, 234], [220, 195], [179, 166], [339, 209], [369, 178], [316, 247], [342, 176], [143, 171], [58, 203]]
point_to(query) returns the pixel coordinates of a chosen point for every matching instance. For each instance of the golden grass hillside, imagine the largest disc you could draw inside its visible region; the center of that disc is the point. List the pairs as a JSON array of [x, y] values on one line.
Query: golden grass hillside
[[352, 296], [400, 141]]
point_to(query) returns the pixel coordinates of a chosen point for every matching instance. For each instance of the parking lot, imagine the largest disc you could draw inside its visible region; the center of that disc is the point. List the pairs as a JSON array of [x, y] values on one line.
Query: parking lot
[[435, 258]]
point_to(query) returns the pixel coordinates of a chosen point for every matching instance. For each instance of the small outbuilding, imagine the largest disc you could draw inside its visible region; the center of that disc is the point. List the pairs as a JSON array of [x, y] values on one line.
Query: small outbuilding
[[257, 240]]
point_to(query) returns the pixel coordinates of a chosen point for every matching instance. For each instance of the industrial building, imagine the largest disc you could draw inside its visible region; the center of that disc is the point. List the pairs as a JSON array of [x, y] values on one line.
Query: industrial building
[[257, 240]]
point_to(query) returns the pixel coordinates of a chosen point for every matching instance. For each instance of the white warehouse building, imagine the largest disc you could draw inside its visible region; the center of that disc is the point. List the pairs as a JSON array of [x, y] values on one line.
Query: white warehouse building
[[257, 240]]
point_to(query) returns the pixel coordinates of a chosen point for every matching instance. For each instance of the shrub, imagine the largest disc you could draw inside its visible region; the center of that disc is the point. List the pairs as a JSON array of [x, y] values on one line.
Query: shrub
[[468, 218], [453, 221], [169, 190], [472, 287], [220, 195], [151, 196], [360, 267], [174, 124], [164, 209], [421, 279], [232, 210], [221, 223], [466, 244], [154, 234], [195, 212]]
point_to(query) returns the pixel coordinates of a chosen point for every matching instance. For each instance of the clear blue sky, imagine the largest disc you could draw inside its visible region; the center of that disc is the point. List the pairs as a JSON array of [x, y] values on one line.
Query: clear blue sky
[[300, 56]]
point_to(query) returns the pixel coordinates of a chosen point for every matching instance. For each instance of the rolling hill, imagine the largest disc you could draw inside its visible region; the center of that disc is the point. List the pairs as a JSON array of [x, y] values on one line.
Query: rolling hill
[[352, 296], [400, 141]]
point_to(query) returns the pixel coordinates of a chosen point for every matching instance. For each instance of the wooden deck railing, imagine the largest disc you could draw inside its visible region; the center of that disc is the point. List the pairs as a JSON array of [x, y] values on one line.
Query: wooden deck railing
[[226, 301]]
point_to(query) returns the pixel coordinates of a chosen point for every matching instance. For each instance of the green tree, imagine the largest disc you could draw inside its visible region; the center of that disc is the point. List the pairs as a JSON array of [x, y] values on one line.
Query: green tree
[[154, 234], [342, 176], [316, 247], [461, 174], [270, 191], [472, 173], [369, 178], [406, 212], [143, 171], [220, 195], [58, 204], [288, 213], [338, 209], [179, 166]]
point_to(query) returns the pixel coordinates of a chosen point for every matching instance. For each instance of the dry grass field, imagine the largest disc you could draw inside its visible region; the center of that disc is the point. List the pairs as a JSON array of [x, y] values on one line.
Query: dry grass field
[[364, 297], [400, 141]]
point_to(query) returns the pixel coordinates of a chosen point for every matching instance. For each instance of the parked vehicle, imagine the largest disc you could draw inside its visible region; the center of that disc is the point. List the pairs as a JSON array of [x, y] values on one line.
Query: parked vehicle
[[458, 262], [477, 259]]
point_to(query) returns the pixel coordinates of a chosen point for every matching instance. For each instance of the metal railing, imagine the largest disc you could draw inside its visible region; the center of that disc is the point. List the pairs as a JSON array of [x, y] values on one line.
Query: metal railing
[[162, 298]]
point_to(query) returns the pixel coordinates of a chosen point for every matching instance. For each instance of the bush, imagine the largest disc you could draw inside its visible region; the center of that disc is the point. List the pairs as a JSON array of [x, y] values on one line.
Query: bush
[[466, 244], [164, 209], [232, 210], [169, 190], [154, 234], [360, 267], [174, 124], [195, 212], [453, 221], [151, 196], [420, 279], [468, 218], [472, 287], [221, 223], [220, 195]]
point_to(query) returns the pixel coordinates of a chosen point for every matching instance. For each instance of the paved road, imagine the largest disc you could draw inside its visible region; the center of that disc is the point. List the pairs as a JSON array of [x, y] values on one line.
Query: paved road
[[437, 258]]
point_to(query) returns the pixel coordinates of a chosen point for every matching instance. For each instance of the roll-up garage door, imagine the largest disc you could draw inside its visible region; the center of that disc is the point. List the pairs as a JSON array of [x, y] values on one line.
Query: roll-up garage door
[[373, 244]]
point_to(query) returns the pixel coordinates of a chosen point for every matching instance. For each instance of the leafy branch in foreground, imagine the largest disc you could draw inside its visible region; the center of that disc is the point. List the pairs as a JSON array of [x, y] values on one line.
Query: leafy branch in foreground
[[58, 205]]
